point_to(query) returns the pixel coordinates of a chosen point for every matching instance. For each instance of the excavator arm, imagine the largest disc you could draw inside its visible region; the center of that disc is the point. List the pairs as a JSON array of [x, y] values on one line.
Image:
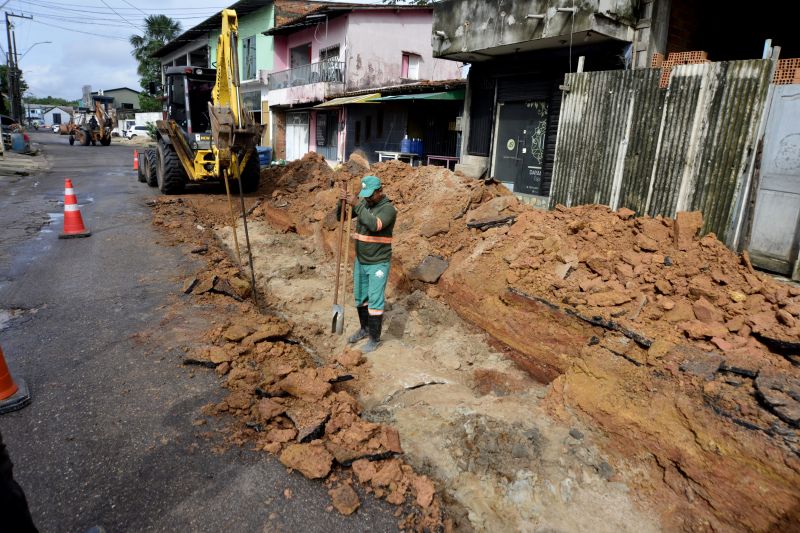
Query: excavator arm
[[232, 128]]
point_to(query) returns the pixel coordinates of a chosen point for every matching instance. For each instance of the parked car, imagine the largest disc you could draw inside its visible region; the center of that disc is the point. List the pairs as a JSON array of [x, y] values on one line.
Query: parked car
[[137, 130]]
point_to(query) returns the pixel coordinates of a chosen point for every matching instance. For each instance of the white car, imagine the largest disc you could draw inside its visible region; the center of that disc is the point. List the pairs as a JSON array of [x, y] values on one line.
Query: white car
[[136, 130]]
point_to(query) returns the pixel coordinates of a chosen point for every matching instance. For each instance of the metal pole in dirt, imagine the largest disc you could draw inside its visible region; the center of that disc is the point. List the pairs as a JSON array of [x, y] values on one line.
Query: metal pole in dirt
[[247, 238], [233, 217]]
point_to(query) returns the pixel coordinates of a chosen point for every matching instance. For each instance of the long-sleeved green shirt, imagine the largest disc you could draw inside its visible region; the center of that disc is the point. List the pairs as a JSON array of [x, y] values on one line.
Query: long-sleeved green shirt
[[373, 233]]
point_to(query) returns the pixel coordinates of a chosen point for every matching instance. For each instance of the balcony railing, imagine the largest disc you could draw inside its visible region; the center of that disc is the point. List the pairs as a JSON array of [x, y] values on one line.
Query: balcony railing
[[327, 71]]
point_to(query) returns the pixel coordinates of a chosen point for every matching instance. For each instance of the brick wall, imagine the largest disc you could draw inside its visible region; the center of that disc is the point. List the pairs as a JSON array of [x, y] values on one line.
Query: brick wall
[[685, 27]]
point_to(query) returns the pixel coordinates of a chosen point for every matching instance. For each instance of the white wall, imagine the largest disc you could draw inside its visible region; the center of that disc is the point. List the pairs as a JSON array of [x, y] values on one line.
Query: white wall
[[376, 41]]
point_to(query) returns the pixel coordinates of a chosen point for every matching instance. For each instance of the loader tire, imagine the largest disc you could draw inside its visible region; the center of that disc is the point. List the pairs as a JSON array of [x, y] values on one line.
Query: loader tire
[[85, 138], [105, 141], [150, 164], [71, 140], [170, 174], [251, 174], [141, 168]]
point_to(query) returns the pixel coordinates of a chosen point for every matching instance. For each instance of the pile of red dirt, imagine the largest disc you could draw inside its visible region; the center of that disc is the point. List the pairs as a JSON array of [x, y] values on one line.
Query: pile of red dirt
[[287, 404], [669, 342]]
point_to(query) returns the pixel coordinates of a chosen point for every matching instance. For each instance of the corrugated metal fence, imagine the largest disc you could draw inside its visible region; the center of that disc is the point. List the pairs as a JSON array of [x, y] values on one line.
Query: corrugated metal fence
[[624, 142]]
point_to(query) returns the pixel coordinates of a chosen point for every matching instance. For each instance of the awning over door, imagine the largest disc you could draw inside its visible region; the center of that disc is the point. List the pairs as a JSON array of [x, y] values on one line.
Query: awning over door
[[457, 94], [346, 100]]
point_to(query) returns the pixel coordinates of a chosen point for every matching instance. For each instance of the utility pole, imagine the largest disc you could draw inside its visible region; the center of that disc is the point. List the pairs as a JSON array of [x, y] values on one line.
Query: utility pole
[[13, 69], [10, 70]]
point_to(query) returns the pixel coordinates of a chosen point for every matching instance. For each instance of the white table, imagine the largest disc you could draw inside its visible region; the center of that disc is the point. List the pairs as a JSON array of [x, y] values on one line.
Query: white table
[[398, 156]]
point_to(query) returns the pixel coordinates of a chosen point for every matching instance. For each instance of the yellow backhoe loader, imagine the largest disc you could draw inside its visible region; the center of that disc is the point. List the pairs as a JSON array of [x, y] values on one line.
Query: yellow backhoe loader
[[206, 134], [91, 127]]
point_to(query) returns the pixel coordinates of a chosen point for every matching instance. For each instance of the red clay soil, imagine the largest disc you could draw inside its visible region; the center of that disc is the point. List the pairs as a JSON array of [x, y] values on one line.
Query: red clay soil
[[286, 403], [671, 344]]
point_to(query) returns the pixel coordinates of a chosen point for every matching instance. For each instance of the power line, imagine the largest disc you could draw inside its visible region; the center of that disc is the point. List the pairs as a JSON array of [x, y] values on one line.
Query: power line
[[136, 8], [79, 31], [110, 10], [120, 16], [82, 19]]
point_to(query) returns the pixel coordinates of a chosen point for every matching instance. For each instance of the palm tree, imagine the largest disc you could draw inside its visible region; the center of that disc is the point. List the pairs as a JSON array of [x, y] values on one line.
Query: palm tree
[[158, 31]]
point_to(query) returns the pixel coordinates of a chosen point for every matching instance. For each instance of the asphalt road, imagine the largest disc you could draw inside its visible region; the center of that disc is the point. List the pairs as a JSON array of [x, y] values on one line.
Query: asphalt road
[[109, 438]]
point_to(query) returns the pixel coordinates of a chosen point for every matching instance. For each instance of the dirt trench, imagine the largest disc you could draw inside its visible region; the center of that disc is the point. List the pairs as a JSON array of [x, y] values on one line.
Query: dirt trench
[[680, 355], [466, 414], [658, 348]]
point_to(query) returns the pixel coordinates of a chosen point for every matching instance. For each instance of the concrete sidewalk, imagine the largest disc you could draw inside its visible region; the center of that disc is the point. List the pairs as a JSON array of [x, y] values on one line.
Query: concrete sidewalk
[[14, 164]]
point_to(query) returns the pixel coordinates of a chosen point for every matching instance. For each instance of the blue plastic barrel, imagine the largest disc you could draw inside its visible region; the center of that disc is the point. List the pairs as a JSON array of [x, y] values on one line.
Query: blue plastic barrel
[[18, 142], [264, 155], [405, 146]]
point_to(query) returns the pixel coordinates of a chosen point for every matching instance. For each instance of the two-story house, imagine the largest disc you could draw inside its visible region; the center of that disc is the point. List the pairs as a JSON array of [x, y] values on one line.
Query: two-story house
[[331, 66]]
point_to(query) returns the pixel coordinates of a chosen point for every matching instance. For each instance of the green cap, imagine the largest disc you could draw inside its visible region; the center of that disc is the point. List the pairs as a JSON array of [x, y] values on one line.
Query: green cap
[[369, 185]]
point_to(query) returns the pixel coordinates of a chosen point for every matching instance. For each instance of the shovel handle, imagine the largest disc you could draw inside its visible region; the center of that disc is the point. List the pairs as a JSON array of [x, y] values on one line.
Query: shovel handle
[[347, 225], [343, 204]]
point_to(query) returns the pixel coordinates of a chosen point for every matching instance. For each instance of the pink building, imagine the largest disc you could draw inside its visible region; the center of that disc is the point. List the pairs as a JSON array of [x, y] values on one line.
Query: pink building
[[350, 50]]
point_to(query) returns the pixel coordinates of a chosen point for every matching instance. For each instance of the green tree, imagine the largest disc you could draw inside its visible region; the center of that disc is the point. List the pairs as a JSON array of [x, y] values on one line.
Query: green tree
[[5, 106], [149, 103], [51, 100], [159, 30]]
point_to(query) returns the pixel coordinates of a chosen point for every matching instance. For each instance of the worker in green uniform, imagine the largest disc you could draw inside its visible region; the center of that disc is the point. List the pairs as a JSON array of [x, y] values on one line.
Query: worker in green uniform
[[375, 216]]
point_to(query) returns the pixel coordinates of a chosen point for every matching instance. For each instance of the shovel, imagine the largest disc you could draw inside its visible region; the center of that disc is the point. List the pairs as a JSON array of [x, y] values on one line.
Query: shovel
[[337, 320]]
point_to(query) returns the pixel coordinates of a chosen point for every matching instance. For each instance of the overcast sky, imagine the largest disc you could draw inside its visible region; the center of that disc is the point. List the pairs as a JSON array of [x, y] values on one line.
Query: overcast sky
[[89, 40]]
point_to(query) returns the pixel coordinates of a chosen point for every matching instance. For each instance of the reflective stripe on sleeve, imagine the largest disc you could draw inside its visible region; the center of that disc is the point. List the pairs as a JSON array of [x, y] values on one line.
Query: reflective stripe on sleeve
[[378, 223]]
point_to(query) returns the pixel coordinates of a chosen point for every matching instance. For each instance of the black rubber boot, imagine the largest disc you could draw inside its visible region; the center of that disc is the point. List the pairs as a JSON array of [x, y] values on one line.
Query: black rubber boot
[[374, 328], [363, 316]]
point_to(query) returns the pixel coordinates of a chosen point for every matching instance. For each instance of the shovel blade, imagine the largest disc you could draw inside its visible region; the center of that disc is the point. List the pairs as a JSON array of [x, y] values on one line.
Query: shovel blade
[[337, 321]]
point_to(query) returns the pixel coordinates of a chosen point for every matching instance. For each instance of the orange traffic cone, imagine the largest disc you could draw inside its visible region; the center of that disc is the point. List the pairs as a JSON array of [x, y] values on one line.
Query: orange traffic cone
[[73, 221], [136, 160], [12, 396]]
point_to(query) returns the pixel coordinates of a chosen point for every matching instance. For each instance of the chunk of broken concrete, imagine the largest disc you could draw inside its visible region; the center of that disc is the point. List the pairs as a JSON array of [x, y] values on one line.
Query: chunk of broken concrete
[[388, 473], [350, 358], [364, 470], [204, 285], [269, 332], [309, 418], [280, 435], [430, 269], [686, 227], [608, 298], [269, 409], [305, 384], [236, 332], [219, 355], [189, 285], [223, 286], [344, 499], [311, 460], [425, 490]]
